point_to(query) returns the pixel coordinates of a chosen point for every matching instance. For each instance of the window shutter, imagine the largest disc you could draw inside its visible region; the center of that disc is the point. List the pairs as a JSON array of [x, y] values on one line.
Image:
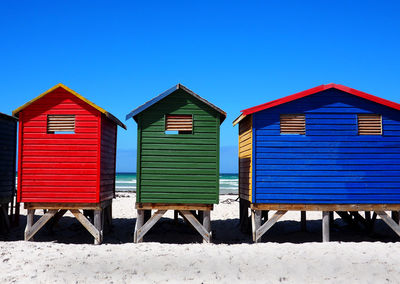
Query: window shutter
[[369, 124], [179, 123], [60, 123], [293, 124]]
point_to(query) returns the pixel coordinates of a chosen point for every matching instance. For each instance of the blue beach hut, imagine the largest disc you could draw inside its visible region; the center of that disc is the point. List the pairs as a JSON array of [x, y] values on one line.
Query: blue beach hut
[[329, 148]]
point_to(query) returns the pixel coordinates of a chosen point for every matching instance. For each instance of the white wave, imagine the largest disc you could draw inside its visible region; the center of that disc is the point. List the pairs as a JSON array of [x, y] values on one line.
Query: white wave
[[125, 187]]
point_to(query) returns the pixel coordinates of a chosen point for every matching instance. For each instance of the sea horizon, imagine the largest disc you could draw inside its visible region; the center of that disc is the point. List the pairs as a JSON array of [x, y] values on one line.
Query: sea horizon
[[126, 182]]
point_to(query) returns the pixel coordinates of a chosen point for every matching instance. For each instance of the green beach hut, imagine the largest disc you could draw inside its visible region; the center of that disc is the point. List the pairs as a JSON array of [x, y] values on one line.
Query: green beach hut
[[177, 158]]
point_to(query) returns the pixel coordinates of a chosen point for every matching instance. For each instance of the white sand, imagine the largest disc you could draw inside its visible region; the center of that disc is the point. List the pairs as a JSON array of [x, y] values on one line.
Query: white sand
[[174, 253]]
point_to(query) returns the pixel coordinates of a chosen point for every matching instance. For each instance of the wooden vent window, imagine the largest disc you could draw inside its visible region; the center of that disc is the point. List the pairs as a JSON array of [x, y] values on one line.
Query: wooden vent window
[[181, 124], [60, 124], [293, 124], [369, 124]]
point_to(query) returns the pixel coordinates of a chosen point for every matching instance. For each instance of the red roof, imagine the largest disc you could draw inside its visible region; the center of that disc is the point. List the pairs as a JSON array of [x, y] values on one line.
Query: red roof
[[319, 89]]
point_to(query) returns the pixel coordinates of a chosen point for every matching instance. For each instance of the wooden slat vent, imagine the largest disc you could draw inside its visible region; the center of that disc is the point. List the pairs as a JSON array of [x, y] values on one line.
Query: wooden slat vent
[[179, 123], [60, 123], [369, 124], [293, 124]]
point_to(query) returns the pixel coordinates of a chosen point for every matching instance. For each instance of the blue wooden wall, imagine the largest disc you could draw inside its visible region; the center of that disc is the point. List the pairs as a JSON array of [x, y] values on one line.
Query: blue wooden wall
[[331, 163]]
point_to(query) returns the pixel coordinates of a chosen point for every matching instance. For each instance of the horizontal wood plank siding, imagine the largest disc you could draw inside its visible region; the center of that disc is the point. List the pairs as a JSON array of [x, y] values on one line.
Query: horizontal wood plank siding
[[331, 163], [8, 144], [108, 151], [178, 168], [245, 158], [59, 167]]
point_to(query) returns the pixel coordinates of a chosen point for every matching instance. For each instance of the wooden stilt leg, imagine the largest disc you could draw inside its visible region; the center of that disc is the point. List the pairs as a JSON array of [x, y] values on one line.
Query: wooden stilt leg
[[207, 223], [144, 228], [92, 229], [29, 222], [139, 224], [303, 221], [34, 228], [389, 221], [176, 216], [197, 225], [325, 226], [98, 224], [267, 225], [255, 223]]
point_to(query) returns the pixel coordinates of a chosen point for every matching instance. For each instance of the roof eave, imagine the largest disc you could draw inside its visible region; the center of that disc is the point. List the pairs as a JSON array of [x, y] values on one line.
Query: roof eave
[[60, 85], [317, 89], [133, 114]]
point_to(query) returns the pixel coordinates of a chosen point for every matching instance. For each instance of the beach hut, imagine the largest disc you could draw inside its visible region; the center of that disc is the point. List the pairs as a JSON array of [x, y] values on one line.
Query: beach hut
[[177, 158], [329, 148], [66, 159], [8, 145]]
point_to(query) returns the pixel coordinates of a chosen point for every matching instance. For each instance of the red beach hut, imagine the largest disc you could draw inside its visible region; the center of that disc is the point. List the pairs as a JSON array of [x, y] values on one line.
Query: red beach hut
[[66, 159]]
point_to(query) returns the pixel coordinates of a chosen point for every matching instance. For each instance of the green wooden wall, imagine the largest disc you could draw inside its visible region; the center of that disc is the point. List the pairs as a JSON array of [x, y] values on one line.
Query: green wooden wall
[[178, 168]]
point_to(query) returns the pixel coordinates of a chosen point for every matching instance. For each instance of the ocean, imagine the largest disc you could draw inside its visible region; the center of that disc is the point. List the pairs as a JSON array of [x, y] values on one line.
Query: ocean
[[228, 183]]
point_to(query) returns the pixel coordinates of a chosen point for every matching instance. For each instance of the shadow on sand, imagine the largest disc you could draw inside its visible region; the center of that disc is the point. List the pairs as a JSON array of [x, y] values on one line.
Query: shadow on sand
[[70, 231]]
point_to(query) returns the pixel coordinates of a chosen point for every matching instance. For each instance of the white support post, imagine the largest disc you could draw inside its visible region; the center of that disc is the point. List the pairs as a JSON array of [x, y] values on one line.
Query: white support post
[[98, 223], [29, 223], [325, 226], [139, 224], [206, 222]]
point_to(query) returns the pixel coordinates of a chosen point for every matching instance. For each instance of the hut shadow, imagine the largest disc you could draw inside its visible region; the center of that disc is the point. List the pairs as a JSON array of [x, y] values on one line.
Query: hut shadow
[[70, 231], [340, 231]]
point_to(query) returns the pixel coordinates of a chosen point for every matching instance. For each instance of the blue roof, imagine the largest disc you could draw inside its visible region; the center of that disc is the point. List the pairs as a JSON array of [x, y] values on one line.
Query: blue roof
[[148, 104]]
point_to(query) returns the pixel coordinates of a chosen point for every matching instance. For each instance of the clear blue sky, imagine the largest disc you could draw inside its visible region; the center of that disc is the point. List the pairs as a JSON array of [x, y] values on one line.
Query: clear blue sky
[[236, 54]]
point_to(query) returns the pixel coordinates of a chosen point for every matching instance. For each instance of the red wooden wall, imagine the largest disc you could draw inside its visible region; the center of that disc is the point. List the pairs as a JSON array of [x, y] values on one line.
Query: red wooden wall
[[64, 167]]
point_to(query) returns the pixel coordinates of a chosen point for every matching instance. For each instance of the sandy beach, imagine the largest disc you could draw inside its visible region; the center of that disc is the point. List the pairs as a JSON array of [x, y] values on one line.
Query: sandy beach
[[174, 253]]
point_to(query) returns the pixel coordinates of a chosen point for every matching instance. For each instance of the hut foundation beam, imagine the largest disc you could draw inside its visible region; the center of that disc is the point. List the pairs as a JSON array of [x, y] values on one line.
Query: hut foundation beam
[[267, 225], [203, 231], [32, 229], [325, 226], [389, 221], [92, 229], [141, 228]]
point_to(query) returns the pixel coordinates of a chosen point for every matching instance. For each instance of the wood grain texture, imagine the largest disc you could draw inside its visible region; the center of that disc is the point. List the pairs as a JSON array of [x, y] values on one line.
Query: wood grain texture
[[178, 168], [245, 158], [8, 134], [65, 168], [331, 163], [324, 207], [369, 124]]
